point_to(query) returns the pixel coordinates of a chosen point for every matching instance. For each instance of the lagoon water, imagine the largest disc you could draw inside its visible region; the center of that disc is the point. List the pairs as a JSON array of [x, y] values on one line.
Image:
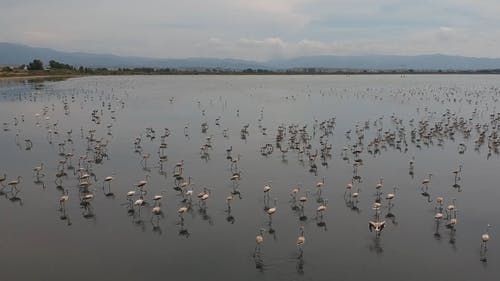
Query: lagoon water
[[107, 242]]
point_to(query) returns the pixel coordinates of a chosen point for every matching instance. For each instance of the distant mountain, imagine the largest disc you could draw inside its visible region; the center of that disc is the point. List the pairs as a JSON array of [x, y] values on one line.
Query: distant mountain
[[16, 54], [385, 62]]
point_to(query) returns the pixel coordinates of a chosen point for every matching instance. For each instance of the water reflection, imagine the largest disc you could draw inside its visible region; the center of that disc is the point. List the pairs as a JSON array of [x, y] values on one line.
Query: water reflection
[[300, 264], [129, 127], [183, 231], [155, 222], [13, 196], [376, 246], [391, 216]]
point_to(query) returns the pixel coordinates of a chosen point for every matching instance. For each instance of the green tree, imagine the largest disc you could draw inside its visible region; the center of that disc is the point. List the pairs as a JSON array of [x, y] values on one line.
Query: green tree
[[36, 64], [57, 65]]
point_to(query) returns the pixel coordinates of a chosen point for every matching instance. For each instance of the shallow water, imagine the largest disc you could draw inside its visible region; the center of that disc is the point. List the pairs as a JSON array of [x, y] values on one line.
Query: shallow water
[[106, 242]]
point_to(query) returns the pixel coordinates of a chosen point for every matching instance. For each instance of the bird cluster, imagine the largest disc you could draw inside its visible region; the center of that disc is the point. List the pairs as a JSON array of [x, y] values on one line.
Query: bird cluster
[[310, 144]]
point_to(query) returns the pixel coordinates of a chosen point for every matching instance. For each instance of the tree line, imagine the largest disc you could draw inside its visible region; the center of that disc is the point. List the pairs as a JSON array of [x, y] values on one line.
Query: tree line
[[37, 64]]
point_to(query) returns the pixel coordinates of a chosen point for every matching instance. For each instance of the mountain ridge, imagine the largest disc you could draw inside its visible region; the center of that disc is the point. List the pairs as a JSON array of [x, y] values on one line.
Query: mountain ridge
[[18, 54]]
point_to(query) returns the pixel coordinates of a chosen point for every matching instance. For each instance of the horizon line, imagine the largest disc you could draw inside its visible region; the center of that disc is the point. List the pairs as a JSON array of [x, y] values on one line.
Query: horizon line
[[277, 58]]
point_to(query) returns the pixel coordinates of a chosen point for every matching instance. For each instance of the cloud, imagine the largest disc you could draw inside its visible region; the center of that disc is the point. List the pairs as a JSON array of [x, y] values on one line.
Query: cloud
[[259, 29]]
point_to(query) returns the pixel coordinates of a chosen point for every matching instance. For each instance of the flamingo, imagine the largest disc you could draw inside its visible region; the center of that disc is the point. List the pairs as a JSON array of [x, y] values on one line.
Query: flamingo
[[356, 194], [301, 239], [185, 184], [439, 201], [86, 199], [438, 216], [321, 209], [235, 177], [378, 187], [426, 181], [84, 176], [294, 192], [203, 196], [63, 199], [187, 196], [234, 161], [412, 163], [108, 180], [320, 183], [348, 190], [229, 199], [203, 193], [451, 209], [181, 211], [85, 184], [457, 172], [157, 199], [156, 210], [140, 202], [259, 239], [303, 199], [142, 183], [13, 183], [267, 188], [179, 164], [485, 237], [452, 223], [378, 226], [37, 170], [144, 160], [376, 206], [457, 178], [391, 196], [271, 211]]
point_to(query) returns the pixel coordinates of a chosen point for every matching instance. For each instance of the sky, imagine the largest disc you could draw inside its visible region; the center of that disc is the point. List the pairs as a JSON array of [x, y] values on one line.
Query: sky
[[255, 29]]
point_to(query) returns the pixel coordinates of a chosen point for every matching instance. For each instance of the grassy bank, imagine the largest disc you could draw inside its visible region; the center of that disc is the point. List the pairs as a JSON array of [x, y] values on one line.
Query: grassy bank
[[39, 74], [62, 74]]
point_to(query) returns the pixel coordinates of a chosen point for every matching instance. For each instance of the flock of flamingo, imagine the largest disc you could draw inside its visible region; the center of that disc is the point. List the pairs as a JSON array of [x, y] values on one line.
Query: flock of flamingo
[[310, 144]]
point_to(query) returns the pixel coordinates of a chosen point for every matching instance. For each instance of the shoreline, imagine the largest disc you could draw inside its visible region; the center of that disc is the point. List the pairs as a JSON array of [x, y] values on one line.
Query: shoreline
[[37, 77], [67, 76]]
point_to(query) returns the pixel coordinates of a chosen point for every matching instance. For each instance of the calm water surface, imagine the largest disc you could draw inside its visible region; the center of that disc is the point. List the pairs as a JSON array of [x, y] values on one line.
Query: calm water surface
[[104, 241]]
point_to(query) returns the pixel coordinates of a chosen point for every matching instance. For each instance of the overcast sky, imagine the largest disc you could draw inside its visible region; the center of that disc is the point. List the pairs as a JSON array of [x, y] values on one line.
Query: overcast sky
[[255, 29]]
